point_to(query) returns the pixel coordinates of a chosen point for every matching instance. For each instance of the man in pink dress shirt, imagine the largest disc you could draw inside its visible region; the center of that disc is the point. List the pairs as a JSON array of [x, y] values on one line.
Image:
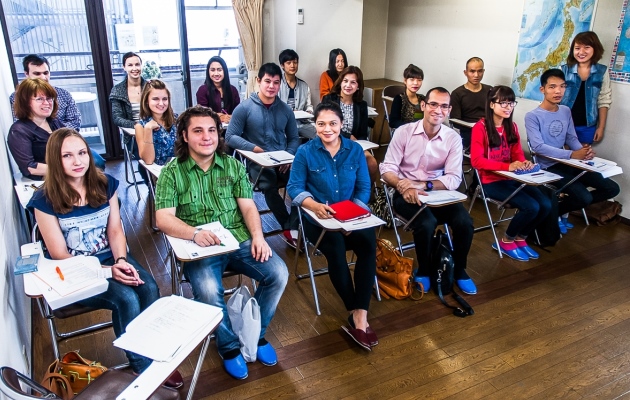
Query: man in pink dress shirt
[[424, 156]]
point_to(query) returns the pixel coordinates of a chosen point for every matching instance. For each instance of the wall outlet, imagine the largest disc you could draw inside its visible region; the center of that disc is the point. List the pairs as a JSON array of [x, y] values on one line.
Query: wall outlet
[[300, 16]]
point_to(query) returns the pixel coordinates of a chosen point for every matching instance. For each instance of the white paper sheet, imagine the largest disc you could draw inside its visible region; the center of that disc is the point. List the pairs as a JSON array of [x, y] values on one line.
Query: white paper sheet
[[187, 249], [333, 224], [438, 197]]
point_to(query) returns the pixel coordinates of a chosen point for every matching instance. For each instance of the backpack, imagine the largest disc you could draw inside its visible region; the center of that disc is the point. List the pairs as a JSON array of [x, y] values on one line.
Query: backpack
[[443, 270], [548, 231]]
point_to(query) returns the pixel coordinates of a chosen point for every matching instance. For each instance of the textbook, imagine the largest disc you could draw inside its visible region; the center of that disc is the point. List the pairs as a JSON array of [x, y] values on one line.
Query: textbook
[[347, 211], [26, 264]]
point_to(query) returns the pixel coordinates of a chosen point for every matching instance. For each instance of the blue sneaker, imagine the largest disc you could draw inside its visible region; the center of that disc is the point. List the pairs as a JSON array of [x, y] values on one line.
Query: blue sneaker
[[566, 223], [467, 286], [524, 247], [236, 367], [563, 227], [424, 280], [512, 251], [267, 355]]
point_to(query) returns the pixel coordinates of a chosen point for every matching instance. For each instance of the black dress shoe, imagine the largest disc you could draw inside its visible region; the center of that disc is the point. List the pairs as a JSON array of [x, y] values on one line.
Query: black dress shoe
[[358, 336]]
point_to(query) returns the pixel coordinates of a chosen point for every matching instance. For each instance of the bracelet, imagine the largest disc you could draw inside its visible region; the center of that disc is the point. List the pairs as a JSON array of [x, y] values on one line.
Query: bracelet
[[121, 258], [195, 234]]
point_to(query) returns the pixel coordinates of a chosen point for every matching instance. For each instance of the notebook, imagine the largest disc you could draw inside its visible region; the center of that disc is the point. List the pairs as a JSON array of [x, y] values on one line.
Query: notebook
[[348, 211]]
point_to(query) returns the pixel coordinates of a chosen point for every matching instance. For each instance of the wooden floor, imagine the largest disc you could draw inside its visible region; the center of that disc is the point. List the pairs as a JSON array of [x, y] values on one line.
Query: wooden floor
[[556, 327]]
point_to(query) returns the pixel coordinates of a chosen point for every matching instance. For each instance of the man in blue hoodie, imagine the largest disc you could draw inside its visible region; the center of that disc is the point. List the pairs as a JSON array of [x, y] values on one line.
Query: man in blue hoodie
[[263, 123]]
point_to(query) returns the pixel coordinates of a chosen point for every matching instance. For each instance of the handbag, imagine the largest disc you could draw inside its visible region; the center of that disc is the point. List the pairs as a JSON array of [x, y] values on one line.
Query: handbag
[[394, 272], [603, 213], [57, 383], [244, 314], [443, 276], [78, 371]]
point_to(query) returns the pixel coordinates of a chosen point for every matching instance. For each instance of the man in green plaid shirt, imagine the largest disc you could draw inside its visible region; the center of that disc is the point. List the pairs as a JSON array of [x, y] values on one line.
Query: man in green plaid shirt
[[204, 185]]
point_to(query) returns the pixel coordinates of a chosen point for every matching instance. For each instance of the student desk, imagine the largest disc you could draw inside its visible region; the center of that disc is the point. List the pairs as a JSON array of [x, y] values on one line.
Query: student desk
[[24, 189], [374, 90]]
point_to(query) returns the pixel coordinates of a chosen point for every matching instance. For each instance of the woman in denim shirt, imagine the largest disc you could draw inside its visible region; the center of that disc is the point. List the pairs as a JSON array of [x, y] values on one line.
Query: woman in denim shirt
[[330, 169], [588, 91], [156, 131]]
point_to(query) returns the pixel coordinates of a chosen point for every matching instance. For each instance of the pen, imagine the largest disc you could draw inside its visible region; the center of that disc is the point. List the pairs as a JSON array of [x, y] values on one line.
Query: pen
[[538, 174], [274, 159], [59, 272], [591, 163], [35, 187], [223, 111], [328, 212]]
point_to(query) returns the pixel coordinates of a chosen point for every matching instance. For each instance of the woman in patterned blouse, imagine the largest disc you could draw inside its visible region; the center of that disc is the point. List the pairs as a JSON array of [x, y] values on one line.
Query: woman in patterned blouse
[[156, 130]]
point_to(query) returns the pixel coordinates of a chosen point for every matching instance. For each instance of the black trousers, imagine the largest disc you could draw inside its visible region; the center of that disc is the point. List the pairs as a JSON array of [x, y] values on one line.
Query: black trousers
[[357, 294], [578, 196], [269, 184], [423, 227]]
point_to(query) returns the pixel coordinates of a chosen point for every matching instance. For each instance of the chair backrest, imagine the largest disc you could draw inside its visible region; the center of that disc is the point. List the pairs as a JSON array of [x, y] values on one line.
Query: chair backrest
[[11, 383], [389, 92]]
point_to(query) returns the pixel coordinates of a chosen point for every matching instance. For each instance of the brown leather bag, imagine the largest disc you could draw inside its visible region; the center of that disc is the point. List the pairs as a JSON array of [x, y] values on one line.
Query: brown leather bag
[[57, 383], [394, 272], [604, 212], [79, 371]]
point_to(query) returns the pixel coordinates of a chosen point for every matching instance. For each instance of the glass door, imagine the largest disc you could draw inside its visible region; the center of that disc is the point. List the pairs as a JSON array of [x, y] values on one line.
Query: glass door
[[58, 31], [151, 30]]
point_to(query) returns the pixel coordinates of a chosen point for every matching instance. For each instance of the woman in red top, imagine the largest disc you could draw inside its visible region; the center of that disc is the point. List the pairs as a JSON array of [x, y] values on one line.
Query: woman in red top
[[496, 146]]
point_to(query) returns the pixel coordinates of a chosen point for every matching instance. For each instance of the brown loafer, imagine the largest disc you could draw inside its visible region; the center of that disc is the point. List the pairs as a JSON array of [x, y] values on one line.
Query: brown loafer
[[358, 336], [174, 381], [371, 335]]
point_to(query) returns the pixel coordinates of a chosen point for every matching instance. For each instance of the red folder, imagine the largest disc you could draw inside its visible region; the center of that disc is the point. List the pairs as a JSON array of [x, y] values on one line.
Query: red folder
[[348, 211]]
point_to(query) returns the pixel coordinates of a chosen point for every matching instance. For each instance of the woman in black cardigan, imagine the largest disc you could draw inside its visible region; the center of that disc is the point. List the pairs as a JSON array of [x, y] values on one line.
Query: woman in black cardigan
[[348, 93]]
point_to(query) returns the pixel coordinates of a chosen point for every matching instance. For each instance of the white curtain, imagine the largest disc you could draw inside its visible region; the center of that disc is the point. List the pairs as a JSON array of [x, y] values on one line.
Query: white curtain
[[248, 15]]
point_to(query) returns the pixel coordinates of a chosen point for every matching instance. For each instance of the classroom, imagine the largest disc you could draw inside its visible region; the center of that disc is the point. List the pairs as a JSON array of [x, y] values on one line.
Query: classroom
[[553, 327]]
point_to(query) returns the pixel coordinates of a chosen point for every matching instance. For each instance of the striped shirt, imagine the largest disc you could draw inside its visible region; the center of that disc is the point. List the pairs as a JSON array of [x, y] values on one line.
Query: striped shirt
[[202, 197]]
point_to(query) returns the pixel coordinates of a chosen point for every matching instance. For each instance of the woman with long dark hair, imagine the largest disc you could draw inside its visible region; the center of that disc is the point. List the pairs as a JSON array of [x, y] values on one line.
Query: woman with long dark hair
[[496, 146], [337, 62], [217, 92]]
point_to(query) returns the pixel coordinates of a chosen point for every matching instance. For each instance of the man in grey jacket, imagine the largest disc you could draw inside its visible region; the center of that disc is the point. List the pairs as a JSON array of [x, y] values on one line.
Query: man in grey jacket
[[263, 123], [295, 92]]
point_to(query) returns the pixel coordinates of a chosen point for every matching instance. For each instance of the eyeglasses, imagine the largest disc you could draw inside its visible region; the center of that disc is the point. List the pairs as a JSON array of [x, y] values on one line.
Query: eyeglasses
[[433, 105], [40, 100], [505, 104]]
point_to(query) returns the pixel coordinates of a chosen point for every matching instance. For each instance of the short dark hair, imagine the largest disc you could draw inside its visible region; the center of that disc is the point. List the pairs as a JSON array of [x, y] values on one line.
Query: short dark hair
[[413, 72], [129, 55], [288, 55], [471, 59], [588, 38], [34, 59], [554, 72], [271, 69], [183, 122], [438, 89], [328, 106]]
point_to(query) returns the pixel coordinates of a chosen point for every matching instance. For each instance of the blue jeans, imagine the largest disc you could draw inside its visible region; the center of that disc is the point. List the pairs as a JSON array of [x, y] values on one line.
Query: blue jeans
[[99, 161], [205, 276], [533, 206], [578, 196], [126, 303]]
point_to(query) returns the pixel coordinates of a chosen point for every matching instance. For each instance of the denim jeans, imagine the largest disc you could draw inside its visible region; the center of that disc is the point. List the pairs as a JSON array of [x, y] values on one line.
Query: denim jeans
[[578, 196], [126, 303], [334, 246], [205, 276], [455, 215], [533, 206], [269, 184]]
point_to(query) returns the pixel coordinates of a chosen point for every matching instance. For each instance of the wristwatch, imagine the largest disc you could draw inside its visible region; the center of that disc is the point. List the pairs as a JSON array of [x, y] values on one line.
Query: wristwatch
[[195, 234], [428, 186]]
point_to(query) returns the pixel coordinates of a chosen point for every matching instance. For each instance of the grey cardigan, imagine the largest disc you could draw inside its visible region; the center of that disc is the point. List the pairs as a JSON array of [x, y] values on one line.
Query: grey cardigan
[[121, 106]]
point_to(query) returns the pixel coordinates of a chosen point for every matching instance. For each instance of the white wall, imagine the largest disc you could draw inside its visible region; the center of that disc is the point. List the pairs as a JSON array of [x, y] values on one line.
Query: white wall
[[374, 38], [15, 312], [440, 35], [328, 24]]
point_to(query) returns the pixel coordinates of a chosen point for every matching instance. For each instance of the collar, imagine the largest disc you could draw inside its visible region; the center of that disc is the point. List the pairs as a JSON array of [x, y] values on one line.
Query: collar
[[345, 143], [190, 163], [574, 68], [419, 130]]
